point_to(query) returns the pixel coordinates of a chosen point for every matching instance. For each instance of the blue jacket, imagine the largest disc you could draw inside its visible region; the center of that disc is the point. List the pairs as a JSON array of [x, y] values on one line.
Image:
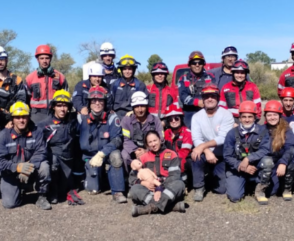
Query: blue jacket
[[104, 135], [230, 146], [80, 95], [59, 135], [190, 88], [12, 145], [109, 79]]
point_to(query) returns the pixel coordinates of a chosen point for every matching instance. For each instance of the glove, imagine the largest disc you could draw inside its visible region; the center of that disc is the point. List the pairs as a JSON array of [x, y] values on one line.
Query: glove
[[25, 168], [23, 178], [73, 198], [97, 160], [129, 113]]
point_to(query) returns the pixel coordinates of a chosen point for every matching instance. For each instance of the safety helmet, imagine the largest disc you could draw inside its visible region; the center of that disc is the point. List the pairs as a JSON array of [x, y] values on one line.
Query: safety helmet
[[196, 55], [43, 49], [240, 65], [3, 53], [174, 109], [107, 48], [62, 96], [210, 89], [230, 50], [159, 67], [96, 70], [127, 60], [248, 106], [273, 106], [97, 92], [19, 109], [287, 92], [139, 98], [292, 48]]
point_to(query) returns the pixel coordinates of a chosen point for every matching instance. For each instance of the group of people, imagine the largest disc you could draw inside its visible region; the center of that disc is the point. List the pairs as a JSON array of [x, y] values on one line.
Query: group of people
[[150, 142]]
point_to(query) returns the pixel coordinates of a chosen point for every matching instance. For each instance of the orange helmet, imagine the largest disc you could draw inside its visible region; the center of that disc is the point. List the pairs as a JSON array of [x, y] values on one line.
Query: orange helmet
[[248, 107], [210, 89], [43, 49], [287, 92], [196, 55], [273, 106]]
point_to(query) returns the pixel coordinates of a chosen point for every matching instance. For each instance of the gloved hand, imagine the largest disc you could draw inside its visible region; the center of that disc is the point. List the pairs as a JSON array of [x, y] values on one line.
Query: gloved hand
[[23, 178], [97, 160], [73, 198], [25, 168], [129, 113]]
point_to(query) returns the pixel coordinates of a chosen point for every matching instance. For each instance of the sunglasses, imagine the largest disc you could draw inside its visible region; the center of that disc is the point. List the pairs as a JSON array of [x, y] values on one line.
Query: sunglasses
[[201, 62], [94, 101], [173, 118]]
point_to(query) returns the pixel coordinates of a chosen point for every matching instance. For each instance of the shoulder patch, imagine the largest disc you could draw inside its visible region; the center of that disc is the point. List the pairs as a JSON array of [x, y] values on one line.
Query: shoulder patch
[[167, 155], [117, 122]]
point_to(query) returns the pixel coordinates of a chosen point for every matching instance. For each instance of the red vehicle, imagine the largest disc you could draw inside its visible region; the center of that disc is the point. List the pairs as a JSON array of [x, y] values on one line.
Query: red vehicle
[[182, 69]]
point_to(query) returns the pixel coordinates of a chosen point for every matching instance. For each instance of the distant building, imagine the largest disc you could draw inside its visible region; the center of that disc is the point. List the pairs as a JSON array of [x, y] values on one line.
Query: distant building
[[282, 65]]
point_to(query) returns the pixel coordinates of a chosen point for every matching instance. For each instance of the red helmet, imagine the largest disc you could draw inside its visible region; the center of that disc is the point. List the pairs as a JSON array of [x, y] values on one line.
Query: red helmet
[[287, 92], [174, 109], [292, 48], [210, 89], [248, 107], [273, 106], [43, 49], [159, 67], [240, 65], [196, 55], [97, 92]]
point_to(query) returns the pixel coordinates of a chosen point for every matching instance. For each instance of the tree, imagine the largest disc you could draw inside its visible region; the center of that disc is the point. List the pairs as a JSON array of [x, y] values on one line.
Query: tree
[[154, 58], [63, 63], [259, 56], [92, 49], [19, 61]]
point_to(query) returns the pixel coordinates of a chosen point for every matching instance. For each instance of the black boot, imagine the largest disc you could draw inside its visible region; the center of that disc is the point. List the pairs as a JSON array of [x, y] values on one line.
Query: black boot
[[141, 210], [287, 194]]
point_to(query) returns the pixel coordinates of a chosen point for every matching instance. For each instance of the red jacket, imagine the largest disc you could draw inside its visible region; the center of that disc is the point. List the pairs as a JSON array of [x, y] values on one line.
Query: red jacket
[[231, 96], [42, 88], [159, 99], [181, 143], [286, 79]]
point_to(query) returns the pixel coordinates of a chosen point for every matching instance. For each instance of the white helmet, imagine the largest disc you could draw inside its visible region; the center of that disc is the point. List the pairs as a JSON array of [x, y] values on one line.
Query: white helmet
[[96, 69], [3, 53], [139, 98], [107, 48]]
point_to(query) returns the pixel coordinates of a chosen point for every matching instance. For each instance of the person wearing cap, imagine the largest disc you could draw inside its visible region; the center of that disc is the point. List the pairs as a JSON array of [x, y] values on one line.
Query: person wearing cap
[[107, 55], [42, 84], [160, 94], [12, 89], [123, 88], [282, 150], [287, 77], [135, 126], [246, 150], [238, 90], [209, 129], [287, 99], [60, 130], [80, 95], [100, 140], [23, 159], [191, 84], [177, 136]]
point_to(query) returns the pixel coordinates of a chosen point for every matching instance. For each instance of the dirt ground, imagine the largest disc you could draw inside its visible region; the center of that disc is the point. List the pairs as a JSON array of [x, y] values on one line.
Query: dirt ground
[[101, 219]]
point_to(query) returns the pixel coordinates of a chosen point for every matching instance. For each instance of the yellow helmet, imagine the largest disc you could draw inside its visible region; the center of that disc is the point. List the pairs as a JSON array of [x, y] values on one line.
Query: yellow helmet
[[19, 109], [62, 96], [127, 60]]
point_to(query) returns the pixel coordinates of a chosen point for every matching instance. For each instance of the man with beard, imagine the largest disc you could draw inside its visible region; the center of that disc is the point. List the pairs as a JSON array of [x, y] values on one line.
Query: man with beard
[[11, 89], [135, 126], [209, 129]]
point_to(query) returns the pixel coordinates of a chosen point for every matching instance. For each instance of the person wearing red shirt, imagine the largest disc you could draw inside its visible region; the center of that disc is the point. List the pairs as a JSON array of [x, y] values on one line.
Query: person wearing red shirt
[[287, 99]]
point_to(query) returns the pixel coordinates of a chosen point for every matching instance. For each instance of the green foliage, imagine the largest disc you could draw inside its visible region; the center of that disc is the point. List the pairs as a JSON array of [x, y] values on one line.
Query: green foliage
[[259, 56], [144, 76], [154, 58], [73, 77]]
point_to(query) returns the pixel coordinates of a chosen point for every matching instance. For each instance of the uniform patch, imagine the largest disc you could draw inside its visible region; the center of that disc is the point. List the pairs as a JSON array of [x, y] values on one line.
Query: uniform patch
[[167, 155], [106, 135], [29, 134], [13, 136], [117, 122], [85, 86]]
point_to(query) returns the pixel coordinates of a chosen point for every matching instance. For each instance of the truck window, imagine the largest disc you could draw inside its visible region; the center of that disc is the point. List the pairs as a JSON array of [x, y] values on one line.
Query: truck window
[[181, 72]]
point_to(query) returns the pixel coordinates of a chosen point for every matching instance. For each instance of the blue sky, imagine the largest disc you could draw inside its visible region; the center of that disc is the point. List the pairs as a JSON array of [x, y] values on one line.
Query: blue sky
[[171, 29]]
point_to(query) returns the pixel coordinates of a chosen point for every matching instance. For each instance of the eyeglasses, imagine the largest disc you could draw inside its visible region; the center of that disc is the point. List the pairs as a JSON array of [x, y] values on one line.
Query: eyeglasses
[[95, 100], [200, 62], [230, 49], [173, 118]]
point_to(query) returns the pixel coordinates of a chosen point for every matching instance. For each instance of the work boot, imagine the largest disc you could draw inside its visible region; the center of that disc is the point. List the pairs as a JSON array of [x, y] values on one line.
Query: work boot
[[43, 203], [179, 207], [94, 192], [199, 194], [287, 195], [53, 199], [141, 210], [119, 197], [260, 194]]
